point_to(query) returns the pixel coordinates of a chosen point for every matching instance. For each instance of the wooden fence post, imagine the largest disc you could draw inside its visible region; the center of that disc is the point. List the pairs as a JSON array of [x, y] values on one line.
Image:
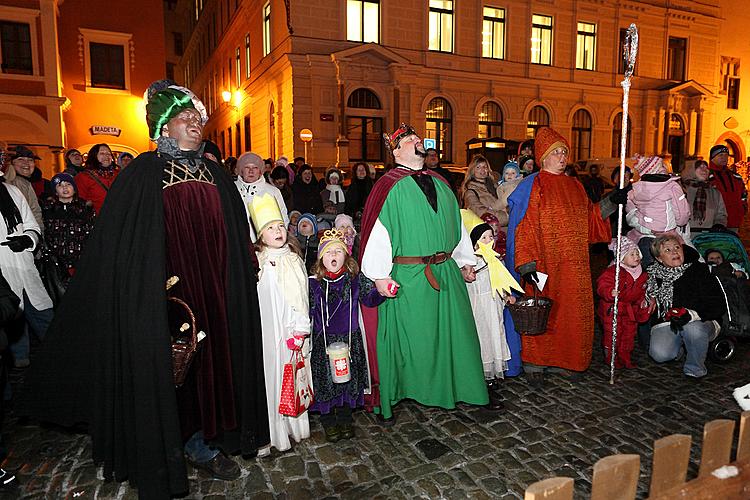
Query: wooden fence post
[[717, 445], [554, 488], [743, 443], [671, 457], [616, 477]]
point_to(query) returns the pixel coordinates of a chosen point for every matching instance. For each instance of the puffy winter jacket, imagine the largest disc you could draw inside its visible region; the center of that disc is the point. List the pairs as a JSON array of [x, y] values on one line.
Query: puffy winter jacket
[[733, 192], [657, 204]]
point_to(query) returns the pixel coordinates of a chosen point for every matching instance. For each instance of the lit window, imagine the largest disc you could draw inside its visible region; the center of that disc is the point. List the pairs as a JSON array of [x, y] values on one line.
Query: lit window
[[493, 33], [266, 29], [15, 48], [237, 68], [490, 121], [247, 55], [364, 131], [441, 25], [363, 20], [586, 46], [439, 120], [541, 39], [271, 132]]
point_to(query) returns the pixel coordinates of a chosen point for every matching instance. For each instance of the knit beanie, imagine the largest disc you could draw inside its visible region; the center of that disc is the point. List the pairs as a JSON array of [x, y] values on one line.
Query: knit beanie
[[511, 165], [547, 140], [646, 165], [309, 218], [63, 177], [626, 246], [717, 150]]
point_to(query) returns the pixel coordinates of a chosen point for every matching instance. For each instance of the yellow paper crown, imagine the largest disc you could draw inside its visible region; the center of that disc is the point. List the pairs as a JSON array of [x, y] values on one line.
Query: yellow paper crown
[[264, 210], [331, 237]]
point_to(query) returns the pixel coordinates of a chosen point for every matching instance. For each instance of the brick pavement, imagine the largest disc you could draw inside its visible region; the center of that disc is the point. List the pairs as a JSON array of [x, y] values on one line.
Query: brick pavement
[[469, 452], [433, 453]]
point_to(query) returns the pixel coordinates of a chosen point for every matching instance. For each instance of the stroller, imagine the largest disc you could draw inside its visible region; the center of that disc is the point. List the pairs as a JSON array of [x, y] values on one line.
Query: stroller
[[736, 322]]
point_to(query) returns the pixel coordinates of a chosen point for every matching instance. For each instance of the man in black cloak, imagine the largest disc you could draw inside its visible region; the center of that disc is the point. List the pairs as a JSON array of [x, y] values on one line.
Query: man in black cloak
[[106, 361]]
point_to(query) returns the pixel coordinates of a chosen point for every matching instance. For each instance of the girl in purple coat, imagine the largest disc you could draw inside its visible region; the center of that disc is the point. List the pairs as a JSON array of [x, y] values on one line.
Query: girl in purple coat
[[336, 289]]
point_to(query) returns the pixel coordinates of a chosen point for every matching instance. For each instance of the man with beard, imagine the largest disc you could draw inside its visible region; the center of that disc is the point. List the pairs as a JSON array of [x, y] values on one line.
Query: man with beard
[[730, 186], [416, 250], [108, 364]]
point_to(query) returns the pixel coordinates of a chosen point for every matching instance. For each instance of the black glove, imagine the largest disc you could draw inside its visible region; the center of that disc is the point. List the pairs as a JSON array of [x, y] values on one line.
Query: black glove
[[530, 278], [620, 196], [18, 243], [676, 323]]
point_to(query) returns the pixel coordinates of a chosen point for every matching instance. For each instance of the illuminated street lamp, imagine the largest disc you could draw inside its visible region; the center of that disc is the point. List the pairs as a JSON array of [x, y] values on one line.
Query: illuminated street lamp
[[232, 99]]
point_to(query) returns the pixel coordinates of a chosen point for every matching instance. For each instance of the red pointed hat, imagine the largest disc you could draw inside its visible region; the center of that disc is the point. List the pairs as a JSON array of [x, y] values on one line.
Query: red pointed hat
[[546, 141]]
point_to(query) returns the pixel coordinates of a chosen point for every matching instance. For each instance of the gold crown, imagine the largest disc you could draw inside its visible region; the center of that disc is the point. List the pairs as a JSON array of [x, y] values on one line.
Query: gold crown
[[264, 209], [331, 236]]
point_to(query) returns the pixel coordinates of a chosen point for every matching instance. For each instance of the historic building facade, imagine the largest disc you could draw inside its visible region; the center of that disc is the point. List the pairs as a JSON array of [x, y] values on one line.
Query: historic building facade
[[349, 70], [73, 73]]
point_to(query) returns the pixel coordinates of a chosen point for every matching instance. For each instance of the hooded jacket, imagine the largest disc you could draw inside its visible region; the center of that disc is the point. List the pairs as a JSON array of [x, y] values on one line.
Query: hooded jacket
[[656, 204], [733, 192], [716, 210]]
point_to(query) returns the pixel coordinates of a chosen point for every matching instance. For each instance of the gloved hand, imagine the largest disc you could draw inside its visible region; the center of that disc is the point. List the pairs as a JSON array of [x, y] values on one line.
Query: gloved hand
[[620, 196], [18, 243], [295, 342], [678, 317]]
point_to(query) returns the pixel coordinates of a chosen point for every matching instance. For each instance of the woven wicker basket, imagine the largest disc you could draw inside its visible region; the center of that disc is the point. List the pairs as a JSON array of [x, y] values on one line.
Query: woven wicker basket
[[184, 345], [530, 314]]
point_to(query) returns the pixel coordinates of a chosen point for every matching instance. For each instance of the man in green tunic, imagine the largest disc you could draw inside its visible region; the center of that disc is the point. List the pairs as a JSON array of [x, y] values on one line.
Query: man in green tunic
[[418, 254]]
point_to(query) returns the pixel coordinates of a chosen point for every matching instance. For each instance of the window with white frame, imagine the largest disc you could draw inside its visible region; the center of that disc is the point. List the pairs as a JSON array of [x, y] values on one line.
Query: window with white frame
[[266, 29], [247, 55], [586, 46], [363, 20], [237, 68], [107, 60], [15, 48], [493, 33], [730, 81], [541, 39], [441, 25]]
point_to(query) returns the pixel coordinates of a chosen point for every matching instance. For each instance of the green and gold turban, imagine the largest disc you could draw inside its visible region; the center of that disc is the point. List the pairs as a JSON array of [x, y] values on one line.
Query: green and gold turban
[[165, 100]]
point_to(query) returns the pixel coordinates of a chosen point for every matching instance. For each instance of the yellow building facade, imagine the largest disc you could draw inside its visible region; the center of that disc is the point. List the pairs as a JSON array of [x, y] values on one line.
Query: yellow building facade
[[349, 70], [73, 74]]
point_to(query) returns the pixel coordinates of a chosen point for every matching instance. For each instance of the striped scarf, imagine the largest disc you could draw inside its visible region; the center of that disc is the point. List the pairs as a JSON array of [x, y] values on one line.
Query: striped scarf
[[701, 195], [660, 284]]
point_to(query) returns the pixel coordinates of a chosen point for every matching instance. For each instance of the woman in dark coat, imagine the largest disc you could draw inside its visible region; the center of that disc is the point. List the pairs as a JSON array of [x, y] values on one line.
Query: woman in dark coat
[[359, 189], [305, 191]]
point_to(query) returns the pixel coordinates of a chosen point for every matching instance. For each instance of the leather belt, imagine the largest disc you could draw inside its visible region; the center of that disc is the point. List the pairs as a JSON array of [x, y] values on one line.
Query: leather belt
[[427, 260]]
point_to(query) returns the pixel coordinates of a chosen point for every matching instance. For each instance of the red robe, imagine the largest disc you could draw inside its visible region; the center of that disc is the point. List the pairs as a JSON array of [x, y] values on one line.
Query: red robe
[[556, 231]]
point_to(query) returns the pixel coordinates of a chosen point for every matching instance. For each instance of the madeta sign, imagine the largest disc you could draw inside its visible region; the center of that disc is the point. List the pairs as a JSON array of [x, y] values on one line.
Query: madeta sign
[[105, 130]]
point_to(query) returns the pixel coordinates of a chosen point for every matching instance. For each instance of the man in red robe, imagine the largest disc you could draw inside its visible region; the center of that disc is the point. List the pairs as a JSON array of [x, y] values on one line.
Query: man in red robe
[[730, 185], [553, 237]]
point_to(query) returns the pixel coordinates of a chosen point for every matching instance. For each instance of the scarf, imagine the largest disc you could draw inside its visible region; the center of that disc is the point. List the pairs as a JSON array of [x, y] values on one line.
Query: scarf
[[292, 278], [701, 195], [660, 284], [335, 193], [9, 209], [168, 146]]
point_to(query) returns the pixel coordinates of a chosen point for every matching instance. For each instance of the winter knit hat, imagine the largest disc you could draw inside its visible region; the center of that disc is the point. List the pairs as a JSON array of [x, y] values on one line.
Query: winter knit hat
[[309, 218], [523, 159], [717, 150], [331, 238], [646, 165], [63, 177], [547, 140], [511, 165], [626, 246], [343, 220], [123, 155]]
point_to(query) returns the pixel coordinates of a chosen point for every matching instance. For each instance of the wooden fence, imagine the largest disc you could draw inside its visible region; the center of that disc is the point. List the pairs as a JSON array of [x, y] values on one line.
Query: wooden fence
[[616, 476]]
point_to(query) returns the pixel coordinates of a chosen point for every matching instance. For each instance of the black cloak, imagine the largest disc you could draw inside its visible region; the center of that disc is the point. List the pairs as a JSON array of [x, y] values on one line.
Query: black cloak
[[106, 359]]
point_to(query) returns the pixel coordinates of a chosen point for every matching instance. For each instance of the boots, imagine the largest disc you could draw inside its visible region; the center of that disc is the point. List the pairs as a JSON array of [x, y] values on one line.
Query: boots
[[496, 400]]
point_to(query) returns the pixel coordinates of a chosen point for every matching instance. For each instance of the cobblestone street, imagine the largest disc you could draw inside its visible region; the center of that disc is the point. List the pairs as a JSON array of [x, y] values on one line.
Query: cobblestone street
[[433, 453]]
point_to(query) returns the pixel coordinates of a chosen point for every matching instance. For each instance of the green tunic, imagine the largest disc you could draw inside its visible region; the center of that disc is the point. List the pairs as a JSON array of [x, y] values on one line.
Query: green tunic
[[428, 349]]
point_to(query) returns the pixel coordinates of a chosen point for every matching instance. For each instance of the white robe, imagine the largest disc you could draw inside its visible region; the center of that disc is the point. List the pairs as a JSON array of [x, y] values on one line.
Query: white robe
[[249, 190], [488, 316], [279, 320]]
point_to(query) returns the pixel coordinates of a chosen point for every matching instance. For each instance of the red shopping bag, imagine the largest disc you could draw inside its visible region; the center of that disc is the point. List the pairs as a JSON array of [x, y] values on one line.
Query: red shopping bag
[[296, 387]]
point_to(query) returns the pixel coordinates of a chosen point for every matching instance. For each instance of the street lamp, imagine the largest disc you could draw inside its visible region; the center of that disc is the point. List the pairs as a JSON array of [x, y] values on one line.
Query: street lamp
[[232, 99]]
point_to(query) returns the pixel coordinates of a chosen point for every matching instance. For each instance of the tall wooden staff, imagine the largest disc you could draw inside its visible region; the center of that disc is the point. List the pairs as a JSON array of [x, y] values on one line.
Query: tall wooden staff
[[630, 50]]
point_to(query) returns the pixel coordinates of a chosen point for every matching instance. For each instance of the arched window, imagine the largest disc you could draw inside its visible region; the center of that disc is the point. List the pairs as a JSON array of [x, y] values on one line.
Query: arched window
[[581, 135], [676, 141], [490, 121], [538, 117], [363, 98], [272, 133], [617, 136], [364, 132], [439, 119]]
